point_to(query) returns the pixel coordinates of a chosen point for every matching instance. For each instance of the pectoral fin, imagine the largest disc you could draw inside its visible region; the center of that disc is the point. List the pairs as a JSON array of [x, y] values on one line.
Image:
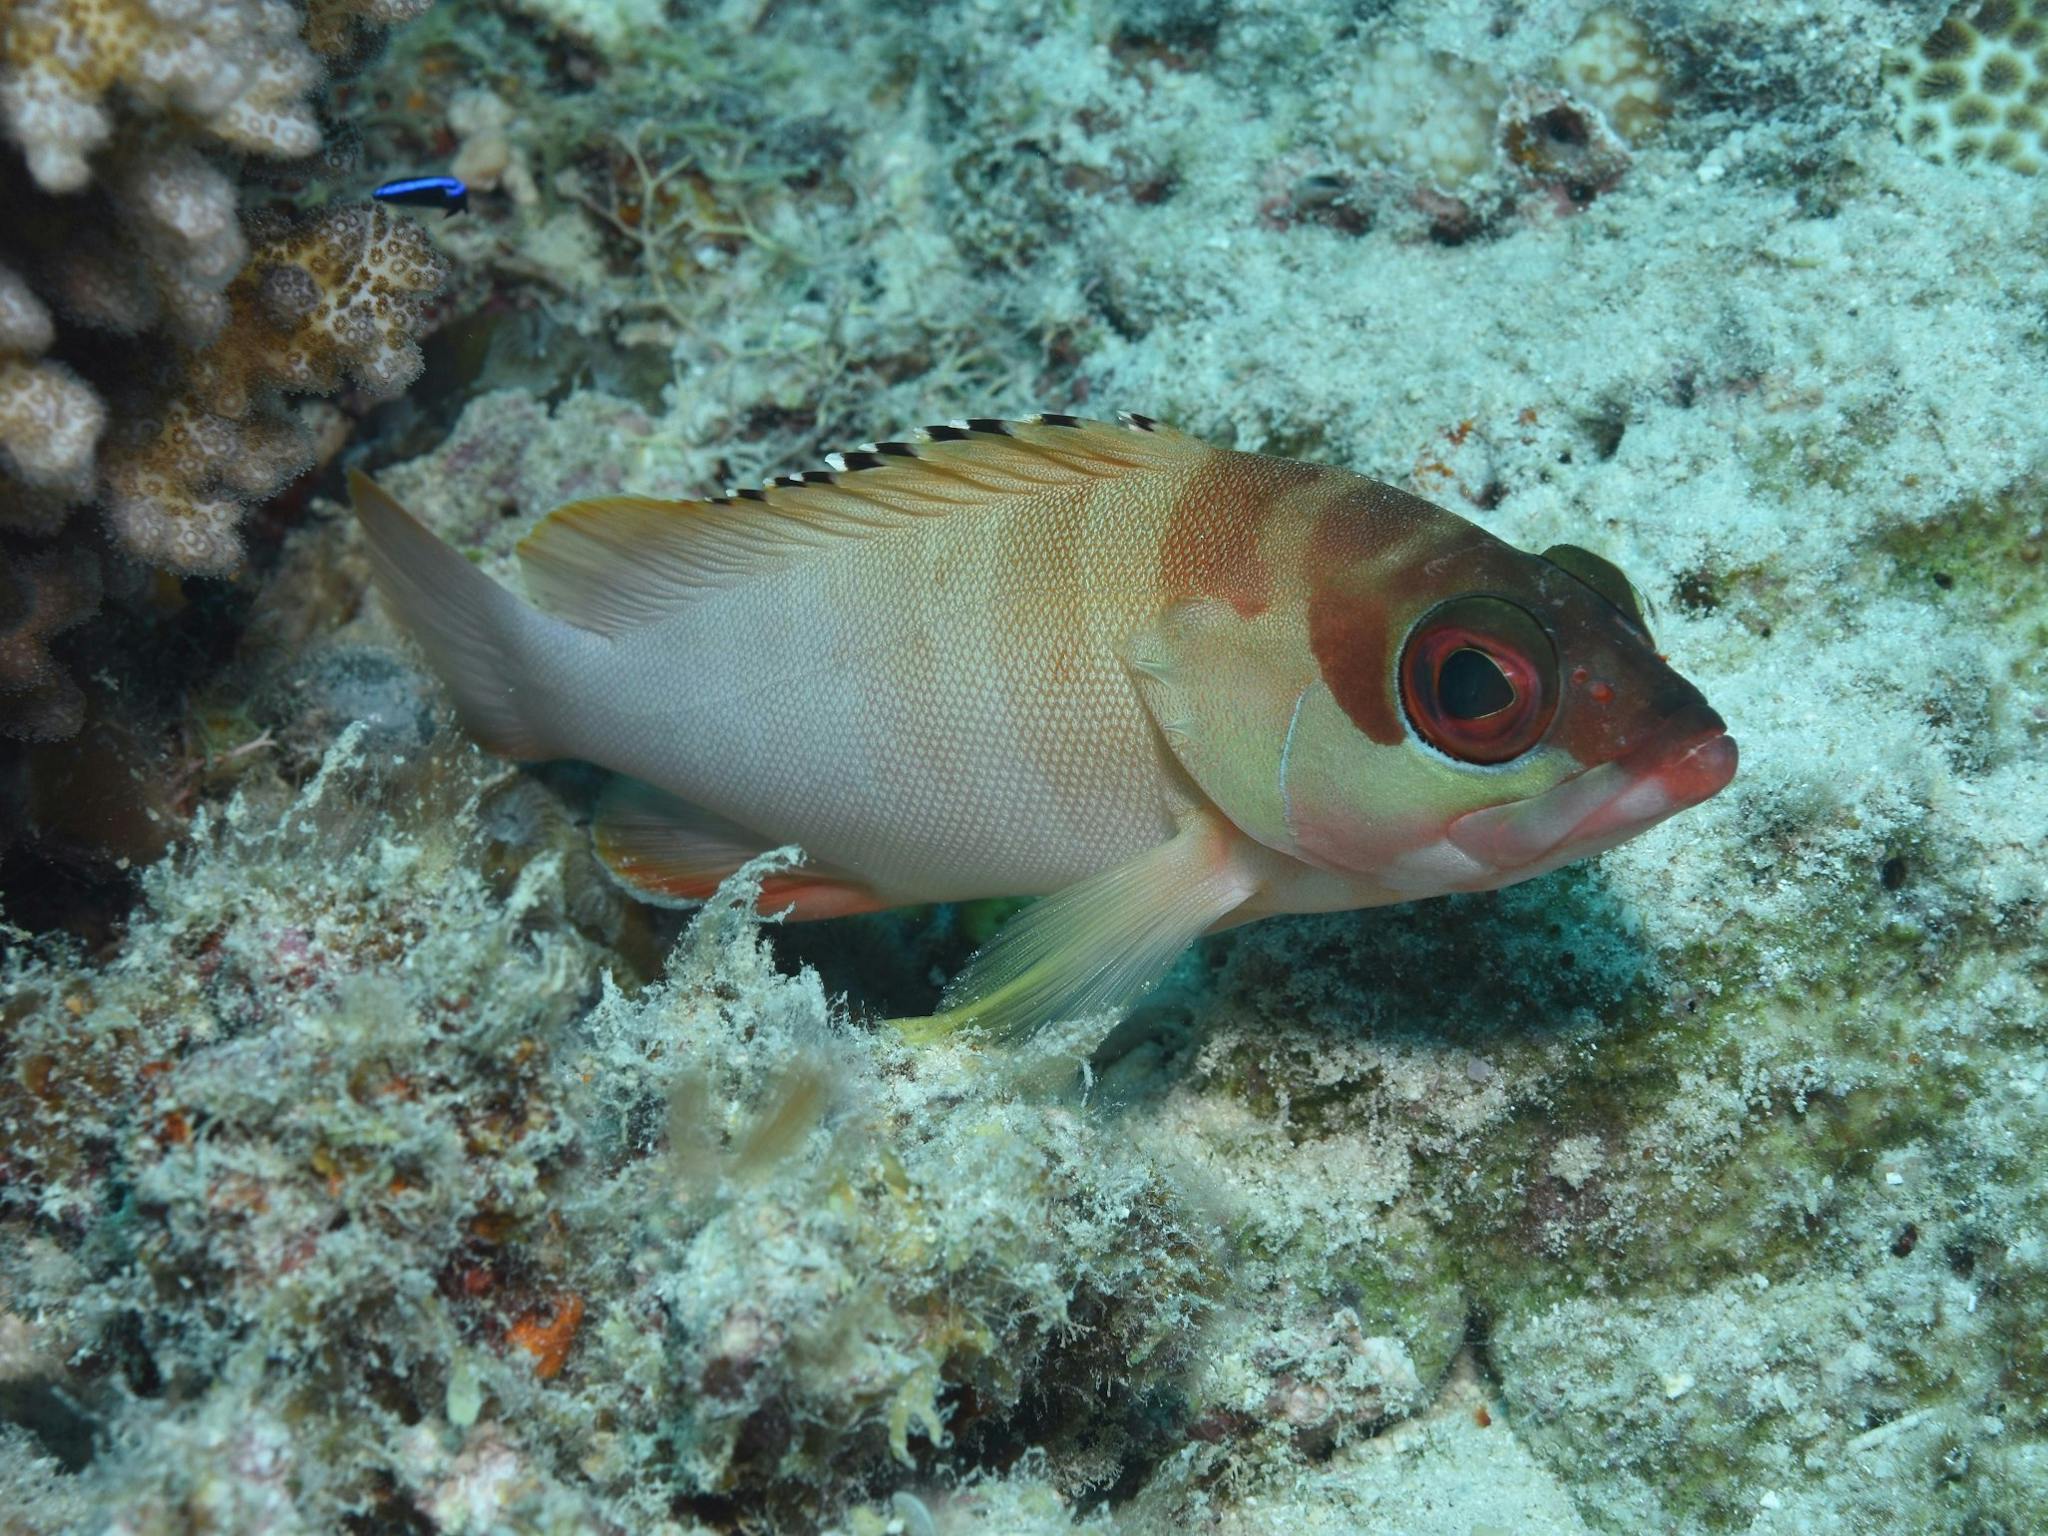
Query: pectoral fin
[[671, 853], [1100, 945], [1222, 690]]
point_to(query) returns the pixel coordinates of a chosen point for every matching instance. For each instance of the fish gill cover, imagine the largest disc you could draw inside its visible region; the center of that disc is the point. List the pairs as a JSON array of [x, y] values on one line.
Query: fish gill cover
[[369, 1162]]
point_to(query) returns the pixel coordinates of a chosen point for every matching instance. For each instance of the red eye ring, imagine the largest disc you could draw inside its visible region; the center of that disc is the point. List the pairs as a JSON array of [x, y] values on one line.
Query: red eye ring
[[1479, 679]]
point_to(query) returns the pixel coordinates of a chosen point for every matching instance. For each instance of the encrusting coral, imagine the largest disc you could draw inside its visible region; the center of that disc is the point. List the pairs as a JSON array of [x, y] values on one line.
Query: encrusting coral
[[1976, 88], [1450, 125], [151, 325]]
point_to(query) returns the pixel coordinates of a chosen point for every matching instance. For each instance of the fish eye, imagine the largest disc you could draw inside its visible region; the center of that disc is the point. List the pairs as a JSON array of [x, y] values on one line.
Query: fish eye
[[1479, 679], [1471, 685], [1604, 577]]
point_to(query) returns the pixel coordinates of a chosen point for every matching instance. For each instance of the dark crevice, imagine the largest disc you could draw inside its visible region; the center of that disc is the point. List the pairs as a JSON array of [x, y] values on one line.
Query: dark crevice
[[46, 1411]]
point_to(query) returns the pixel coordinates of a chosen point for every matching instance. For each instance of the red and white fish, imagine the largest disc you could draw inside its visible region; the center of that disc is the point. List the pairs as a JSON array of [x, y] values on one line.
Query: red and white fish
[[1169, 686]]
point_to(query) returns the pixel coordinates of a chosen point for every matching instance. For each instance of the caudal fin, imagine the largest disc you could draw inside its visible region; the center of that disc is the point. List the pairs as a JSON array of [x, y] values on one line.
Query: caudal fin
[[478, 637]]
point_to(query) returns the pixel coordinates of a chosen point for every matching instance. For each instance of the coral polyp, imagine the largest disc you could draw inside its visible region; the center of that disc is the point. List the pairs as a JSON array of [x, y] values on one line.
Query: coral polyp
[[1976, 89]]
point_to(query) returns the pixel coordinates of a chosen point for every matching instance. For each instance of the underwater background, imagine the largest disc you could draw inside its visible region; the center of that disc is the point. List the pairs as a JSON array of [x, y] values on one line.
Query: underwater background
[[369, 1163]]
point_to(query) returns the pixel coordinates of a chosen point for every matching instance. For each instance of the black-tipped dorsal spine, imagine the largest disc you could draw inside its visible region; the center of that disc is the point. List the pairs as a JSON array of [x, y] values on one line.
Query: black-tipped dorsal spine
[[876, 455]]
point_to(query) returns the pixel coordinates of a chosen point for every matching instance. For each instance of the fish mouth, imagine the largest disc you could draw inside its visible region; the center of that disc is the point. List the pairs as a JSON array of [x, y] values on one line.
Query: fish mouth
[[1690, 759]]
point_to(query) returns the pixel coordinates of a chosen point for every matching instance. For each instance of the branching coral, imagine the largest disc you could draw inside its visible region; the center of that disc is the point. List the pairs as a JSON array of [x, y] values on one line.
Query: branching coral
[[50, 420], [149, 326], [42, 594], [237, 72], [335, 297], [331, 25]]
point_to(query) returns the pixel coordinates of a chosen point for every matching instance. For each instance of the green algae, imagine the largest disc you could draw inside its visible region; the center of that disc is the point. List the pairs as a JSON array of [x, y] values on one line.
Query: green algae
[[1984, 552]]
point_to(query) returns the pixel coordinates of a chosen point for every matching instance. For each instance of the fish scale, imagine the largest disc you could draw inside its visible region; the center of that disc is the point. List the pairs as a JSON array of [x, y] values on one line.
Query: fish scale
[[850, 726]]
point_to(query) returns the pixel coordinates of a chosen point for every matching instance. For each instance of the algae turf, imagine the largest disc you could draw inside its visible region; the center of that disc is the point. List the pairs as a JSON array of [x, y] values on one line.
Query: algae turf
[[352, 1186]]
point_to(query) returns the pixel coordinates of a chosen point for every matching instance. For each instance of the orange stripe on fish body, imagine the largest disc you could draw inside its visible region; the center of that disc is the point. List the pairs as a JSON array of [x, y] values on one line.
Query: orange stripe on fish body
[[1167, 685], [1216, 540]]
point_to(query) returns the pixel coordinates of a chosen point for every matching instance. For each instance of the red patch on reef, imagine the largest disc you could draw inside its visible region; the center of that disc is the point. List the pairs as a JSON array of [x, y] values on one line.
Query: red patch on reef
[[548, 1334]]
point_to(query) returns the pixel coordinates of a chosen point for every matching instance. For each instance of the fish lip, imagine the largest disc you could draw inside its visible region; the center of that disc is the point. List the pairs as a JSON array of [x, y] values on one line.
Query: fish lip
[[1698, 769], [1691, 758]]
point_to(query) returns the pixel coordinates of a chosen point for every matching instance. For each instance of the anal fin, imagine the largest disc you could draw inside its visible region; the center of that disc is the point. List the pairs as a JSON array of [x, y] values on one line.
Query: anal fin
[[1101, 944], [671, 853]]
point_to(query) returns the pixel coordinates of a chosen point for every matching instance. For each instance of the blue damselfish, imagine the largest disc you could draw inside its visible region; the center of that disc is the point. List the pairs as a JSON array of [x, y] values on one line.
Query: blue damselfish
[[446, 192]]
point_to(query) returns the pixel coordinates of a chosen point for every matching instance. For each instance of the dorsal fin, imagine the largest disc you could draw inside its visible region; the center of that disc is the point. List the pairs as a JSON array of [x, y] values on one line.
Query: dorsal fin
[[620, 561]]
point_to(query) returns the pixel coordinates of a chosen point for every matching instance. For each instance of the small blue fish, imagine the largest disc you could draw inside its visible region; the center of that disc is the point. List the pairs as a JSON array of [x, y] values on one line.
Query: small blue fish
[[426, 192]]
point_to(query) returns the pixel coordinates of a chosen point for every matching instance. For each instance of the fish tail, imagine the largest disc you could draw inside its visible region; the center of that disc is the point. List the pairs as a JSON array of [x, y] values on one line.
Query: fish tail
[[491, 649]]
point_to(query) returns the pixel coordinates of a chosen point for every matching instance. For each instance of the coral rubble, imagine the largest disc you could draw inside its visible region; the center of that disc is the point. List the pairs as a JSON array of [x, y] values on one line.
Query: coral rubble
[[708, 1218]]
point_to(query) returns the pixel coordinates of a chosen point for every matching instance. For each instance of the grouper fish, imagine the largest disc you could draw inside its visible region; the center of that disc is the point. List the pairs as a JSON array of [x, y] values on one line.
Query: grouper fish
[[1167, 686]]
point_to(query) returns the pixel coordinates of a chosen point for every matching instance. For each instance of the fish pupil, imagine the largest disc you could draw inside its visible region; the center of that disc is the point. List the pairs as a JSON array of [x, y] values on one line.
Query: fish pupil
[[1472, 686]]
